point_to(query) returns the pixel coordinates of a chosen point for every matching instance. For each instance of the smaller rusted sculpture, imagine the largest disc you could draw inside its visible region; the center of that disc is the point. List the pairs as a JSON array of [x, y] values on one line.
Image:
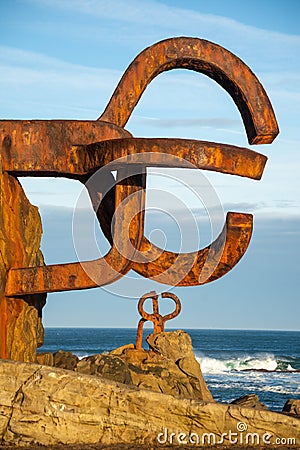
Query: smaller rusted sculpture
[[156, 318]]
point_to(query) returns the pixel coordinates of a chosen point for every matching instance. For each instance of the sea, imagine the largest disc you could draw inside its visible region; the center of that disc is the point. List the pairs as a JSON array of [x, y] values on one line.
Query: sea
[[233, 362]]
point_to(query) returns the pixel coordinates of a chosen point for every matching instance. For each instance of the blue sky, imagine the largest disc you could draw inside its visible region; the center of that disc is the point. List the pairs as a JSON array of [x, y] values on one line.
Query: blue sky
[[63, 59]]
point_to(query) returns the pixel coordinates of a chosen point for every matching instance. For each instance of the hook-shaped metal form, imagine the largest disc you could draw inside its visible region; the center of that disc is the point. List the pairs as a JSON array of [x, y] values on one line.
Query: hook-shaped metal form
[[129, 196], [217, 259], [261, 127], [156, 318], [77, 149]]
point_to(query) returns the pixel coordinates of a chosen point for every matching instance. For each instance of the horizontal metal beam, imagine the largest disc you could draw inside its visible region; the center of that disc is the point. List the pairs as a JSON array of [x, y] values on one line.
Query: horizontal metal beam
[[82, 160]]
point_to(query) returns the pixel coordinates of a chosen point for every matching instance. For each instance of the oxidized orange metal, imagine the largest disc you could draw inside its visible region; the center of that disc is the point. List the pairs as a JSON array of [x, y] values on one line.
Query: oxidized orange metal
[[77, 149], [83, 160], [156, 318], [200, 267], [106, 270], [45, 147], [201, 56]]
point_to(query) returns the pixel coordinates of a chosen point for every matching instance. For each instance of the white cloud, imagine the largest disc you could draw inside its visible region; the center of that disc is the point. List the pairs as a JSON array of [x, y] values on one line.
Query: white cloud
[[135, 25], [29, 67], [214, 122], [152, 12], [35, 85]]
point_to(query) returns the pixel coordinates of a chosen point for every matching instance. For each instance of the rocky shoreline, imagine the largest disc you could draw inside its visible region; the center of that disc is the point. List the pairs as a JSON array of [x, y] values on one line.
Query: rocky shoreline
[[169, 366], [132, 399]]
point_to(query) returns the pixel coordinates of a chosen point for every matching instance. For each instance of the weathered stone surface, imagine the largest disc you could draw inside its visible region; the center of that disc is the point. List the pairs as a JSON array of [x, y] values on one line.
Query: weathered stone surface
[[176, 344], [169, 367], [292, 406], [21, 330], [47, 405], [65, 360], [45, 359], [120, 350], [108, 366], [177, 347], [249, 401]]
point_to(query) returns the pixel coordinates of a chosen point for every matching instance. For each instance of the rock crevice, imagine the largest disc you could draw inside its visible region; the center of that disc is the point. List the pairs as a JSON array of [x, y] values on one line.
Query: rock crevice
[[18, 399]]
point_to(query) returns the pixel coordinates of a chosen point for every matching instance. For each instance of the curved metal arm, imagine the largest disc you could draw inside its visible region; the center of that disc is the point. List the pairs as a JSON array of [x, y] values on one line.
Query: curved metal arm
[[203, 56], [200, 267], [91, 274]]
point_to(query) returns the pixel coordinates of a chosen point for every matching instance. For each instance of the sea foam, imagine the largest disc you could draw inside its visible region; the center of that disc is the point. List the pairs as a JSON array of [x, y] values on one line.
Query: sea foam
[[213, 365]]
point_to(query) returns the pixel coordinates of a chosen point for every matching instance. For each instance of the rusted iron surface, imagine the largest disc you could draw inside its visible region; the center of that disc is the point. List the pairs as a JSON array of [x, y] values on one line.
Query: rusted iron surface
[[156, 318], [77, 149], [90, 274], [200, 267], [168, 152], [45, 147], [201, 56], [84, 160], [194, 268]]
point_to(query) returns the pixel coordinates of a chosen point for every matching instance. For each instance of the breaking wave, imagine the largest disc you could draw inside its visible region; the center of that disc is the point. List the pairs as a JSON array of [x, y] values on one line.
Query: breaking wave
[[261, 363]]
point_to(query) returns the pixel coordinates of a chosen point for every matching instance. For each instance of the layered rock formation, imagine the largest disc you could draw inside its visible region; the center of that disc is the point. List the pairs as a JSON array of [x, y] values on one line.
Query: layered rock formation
[[292, 406], [249, 401], [65, 360], [169, 367], [21, 330], [47, 405]]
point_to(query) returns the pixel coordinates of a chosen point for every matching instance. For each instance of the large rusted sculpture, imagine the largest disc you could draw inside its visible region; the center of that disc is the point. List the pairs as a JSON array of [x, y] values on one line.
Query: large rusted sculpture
[[78, 149]]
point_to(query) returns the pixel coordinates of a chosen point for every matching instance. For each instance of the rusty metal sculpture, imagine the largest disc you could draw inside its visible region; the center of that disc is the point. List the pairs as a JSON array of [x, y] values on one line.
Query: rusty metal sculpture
[[156, 318], [77, 149]]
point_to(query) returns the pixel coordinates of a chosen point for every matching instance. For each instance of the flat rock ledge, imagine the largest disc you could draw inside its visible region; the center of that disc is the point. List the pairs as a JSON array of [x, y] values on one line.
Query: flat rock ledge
[[41, 405]]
